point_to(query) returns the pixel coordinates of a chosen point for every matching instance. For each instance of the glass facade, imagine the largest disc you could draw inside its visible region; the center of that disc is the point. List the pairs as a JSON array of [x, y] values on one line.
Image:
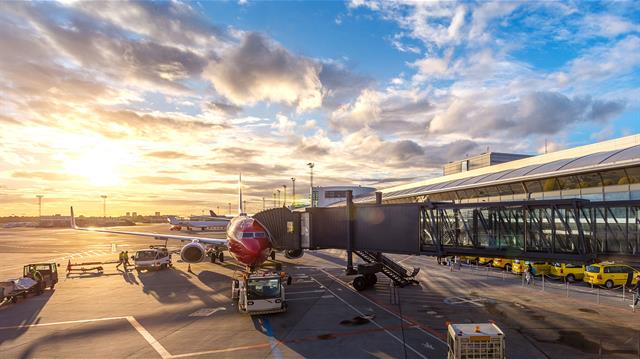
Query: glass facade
[[611, 185]]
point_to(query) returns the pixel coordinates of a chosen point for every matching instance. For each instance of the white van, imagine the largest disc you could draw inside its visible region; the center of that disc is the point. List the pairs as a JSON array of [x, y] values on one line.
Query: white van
[[155, 258]]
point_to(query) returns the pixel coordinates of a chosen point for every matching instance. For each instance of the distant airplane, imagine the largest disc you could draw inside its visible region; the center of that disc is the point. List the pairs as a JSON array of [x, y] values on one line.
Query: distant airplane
[[203, 223]]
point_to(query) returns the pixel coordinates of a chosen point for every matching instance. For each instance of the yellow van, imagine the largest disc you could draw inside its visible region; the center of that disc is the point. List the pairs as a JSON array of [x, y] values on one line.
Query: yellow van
[[539, 268], [610, 274], [503, 263], [571, 272]]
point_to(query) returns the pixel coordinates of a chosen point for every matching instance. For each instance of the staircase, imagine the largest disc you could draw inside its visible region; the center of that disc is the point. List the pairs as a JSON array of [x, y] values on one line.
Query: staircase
[[397, 273]]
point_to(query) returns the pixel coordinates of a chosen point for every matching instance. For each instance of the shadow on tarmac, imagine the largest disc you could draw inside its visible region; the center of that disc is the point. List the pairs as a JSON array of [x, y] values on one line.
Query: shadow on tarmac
[[339, 261], [28, 314]]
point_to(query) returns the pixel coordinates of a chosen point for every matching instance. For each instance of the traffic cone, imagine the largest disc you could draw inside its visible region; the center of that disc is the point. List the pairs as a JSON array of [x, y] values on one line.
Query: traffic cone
[[69, 266], [189, 268]]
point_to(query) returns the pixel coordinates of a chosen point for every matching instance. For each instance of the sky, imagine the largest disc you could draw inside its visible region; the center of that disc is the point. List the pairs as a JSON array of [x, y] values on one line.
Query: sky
[[160, 105]]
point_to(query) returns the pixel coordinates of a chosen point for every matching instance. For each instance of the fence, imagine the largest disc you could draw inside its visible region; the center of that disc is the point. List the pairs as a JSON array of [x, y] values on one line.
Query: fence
[[620, 296]]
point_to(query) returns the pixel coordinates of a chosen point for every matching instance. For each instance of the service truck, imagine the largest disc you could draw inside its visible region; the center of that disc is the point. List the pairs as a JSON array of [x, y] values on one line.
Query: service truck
[[260, 293], [154, 258]]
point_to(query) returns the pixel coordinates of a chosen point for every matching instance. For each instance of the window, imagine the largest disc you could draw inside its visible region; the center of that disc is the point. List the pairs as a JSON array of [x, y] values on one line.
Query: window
[[615, 177], [633, 174], [263, 288], [593, 269], [533, 186], [146, 255], [569, 182], [247, 234], [590, 180], [550, 184], [335, 194]]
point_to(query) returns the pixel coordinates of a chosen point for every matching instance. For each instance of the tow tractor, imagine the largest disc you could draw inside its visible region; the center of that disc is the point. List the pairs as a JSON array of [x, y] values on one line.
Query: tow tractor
[[154, 258], [260, 293]]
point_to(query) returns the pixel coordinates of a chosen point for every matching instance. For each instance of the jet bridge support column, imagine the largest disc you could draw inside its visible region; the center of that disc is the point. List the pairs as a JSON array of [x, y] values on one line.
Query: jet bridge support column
[[350, 210]]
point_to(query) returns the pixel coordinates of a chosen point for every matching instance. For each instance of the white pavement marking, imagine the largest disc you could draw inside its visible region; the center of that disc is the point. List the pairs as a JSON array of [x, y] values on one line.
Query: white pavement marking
[[381, 307], [306, 291], [310, 298], [149, 338], [61, 323], [374, 322], [205, 312], [134, 323]]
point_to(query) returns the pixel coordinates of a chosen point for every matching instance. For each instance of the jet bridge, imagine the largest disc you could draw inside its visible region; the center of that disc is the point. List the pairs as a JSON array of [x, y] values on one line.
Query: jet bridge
[[568, 230]]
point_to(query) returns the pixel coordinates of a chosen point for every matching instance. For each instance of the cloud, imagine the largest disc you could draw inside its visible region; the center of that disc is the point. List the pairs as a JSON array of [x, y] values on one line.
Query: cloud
[[246, 167], [164, 180], [105, 47], [533, 113], [391, 111], [222, 108], [42, 175], [606, 25], [284, 125], [168, 155], [262, 70]]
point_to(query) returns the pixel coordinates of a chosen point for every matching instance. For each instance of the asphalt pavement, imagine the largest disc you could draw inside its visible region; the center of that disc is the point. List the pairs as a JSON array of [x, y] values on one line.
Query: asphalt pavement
[[177, 313]]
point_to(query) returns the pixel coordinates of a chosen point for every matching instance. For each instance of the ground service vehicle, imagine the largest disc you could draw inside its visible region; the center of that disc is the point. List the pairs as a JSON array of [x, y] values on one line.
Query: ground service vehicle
[[485, 260], [260, 293], [48, 273], [506, 264], [571, 272], [610, 274], [468, 341], [154, 258], [539, 268]]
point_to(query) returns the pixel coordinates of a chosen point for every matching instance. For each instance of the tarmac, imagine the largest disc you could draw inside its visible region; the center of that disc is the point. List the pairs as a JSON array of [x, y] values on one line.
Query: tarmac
[[176, 313]]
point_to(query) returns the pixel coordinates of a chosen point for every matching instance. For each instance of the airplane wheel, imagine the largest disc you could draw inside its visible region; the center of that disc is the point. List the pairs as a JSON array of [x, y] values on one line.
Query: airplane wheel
[[359, 283], [371, 279], [212, 257], [163, 266], [273, 256], [221, 257]]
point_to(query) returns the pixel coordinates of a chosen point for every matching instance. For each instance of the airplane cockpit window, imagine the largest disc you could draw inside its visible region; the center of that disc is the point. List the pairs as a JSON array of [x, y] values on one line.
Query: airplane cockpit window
[[247, 234]]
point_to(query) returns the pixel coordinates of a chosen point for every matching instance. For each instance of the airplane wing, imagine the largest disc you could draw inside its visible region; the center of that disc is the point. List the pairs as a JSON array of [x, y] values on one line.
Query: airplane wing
[[204, 240]]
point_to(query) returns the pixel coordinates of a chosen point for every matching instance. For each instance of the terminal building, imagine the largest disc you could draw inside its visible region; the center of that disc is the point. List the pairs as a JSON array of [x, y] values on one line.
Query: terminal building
[[326, 196], [604, 171]]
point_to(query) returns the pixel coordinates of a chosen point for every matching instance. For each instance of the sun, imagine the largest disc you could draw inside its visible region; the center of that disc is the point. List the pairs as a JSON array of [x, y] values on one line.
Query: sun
[[99, 168]]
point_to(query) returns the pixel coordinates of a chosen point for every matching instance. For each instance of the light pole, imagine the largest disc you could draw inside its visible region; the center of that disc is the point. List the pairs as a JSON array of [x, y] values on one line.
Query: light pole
[[39, 196], [293, 195], [229, 211], [311, 164], [244, 206], [104, 206], [218, 210], [274, 200], [278, 197], [284, 202], [263, 204]]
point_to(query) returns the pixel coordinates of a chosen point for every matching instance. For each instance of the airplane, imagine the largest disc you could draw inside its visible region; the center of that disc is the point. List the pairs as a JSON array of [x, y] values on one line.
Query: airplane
[[247, 240], [213, 223]]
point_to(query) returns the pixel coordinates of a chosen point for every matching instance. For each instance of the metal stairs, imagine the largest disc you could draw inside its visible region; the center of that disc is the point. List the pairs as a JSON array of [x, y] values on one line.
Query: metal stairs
[[400, 275]]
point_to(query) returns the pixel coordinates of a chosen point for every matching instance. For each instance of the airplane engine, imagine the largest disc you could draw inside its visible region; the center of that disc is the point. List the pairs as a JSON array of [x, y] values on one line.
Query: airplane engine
[[293, 253], [193, 253]]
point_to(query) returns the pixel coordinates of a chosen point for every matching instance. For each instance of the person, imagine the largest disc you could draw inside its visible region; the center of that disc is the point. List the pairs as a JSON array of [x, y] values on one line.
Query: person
[[126, 259], [121, 260], [527, 275], [35, 274], [636, 290]]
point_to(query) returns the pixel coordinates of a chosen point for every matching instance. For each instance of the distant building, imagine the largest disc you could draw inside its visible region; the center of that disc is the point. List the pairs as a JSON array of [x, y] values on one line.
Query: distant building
[[482, 160], [157, 214], [326, 196], [134, 214], [128, 214]]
